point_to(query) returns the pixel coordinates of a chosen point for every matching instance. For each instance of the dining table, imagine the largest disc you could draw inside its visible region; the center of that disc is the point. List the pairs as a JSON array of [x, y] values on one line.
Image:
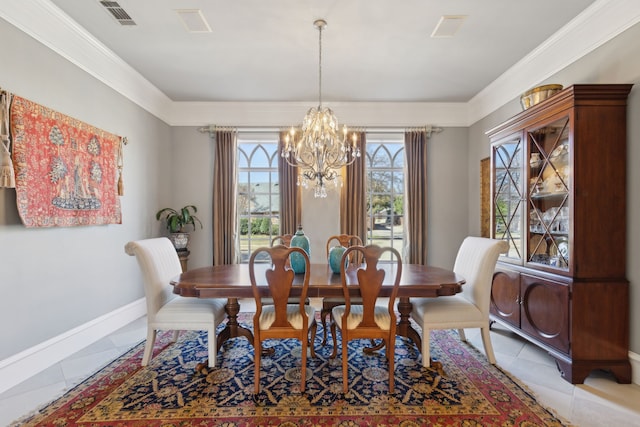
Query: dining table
[[231, 281]]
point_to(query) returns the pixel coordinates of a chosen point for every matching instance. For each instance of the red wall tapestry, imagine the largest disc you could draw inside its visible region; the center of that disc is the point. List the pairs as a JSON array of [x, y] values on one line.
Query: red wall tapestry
[[66, 170]]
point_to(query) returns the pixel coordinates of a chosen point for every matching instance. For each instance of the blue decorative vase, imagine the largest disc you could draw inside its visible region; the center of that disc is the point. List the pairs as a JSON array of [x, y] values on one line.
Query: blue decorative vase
[[299, 240], [335, 256]]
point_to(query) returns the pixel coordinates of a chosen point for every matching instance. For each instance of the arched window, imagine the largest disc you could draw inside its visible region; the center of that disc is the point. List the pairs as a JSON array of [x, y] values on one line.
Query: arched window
[[258, 193], [385, 189]]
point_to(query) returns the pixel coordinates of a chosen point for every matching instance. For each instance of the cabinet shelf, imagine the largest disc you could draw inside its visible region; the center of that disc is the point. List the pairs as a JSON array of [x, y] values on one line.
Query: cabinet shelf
[[549, 233], [558, 195]]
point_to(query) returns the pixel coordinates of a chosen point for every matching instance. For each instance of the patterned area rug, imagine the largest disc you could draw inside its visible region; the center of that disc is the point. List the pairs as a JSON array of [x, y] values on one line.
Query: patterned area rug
[[169, 393]]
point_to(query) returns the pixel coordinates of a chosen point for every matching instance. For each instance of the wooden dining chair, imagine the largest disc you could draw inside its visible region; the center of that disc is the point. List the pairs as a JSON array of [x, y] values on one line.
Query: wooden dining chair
[[476, 262], [281, 319], [284, 239], [345, 240], [367, 320], [159, 264]]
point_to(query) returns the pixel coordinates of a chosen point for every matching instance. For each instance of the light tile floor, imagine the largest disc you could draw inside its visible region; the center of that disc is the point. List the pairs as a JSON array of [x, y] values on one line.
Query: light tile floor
[[600, 401]]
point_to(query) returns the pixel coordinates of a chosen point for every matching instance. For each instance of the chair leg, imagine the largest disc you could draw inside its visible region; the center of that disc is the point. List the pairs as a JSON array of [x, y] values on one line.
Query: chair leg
[[488, 348], [426, 351], [176, 335], [256, 360], [303, 366], [312, 340], [345, 374], [212, 347], [148, 347], [391, 360], [323, 318], [334, 353], [463, 337]]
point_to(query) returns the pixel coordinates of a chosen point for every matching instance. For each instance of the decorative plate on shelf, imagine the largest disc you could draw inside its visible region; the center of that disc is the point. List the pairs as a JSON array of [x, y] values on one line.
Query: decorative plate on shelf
[[561, 247], [560, 153], [537, 245]]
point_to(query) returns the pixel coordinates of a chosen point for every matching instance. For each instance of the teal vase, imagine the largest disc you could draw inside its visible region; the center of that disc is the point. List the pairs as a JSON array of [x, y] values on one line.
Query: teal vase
[[299, 240], [335, 256]]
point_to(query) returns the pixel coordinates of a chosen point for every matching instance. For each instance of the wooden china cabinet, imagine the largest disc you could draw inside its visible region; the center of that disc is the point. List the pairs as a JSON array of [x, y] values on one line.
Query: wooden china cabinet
[[559, 199]]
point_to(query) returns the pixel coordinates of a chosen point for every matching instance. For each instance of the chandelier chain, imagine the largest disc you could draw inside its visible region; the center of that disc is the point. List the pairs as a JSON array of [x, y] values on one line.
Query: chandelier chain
[[320, 66]]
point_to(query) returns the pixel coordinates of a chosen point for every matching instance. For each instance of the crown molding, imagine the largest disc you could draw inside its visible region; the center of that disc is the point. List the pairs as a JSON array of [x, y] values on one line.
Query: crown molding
[[599, 23], [45, 22], [49, 25], [359, 114]]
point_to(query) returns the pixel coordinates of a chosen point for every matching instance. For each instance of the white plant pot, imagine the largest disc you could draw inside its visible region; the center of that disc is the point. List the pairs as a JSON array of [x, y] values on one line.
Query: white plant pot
[[180, 241]]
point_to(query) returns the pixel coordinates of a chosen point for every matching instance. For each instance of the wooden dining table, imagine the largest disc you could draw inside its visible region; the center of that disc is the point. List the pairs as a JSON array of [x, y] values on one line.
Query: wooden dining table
[[232, 282]]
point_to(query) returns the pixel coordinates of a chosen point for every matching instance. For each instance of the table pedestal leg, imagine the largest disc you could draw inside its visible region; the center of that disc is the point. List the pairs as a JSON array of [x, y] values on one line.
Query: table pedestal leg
[[233, 328], [404, 327]]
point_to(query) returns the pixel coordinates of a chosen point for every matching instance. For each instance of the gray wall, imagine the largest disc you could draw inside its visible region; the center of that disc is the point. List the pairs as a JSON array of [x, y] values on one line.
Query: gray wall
[[615, 62], [52, 280]]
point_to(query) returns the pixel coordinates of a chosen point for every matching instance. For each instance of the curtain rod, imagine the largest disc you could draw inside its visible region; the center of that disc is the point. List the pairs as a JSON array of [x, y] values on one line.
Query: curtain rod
[[249, 129]]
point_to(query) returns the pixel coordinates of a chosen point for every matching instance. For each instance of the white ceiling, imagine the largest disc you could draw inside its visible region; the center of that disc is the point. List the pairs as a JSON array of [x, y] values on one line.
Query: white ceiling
[[259, 64], [373, 50]]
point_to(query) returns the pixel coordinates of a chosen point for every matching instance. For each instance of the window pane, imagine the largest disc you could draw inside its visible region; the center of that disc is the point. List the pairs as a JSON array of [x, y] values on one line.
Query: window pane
[[398, 182], [243, 155], [259, 157], [380, 181], [259, 181], [380, 157], [398, 157]]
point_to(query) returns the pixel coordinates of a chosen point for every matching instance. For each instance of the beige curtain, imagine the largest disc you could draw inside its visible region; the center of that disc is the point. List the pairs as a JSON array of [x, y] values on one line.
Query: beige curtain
[[353, 199], [290, 197], [415, 143], [224, 198]]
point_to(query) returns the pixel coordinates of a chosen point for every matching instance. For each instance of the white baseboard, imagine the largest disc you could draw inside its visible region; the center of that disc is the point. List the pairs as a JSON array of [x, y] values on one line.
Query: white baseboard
[[20, 366], [634, 358]]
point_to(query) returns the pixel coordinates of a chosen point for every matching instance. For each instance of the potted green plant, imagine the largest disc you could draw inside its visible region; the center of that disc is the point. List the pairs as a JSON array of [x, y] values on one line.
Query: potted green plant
[[177, 222]]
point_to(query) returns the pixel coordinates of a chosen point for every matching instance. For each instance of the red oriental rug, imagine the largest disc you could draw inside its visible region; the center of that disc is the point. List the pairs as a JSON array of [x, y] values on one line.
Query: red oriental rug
[[66, 170], [169, 393]]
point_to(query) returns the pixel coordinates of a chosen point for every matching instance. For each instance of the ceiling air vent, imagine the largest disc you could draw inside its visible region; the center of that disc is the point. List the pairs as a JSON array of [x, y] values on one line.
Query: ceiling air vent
[[448, 26], [194, 20], [118, 12]]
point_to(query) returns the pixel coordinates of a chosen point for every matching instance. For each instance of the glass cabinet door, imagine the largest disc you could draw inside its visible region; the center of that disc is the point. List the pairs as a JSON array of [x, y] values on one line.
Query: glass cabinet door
[[508, 202], [548, 195]]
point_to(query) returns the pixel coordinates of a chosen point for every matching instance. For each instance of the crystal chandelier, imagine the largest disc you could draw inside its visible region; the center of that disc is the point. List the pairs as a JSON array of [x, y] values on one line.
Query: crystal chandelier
[[320, 151]]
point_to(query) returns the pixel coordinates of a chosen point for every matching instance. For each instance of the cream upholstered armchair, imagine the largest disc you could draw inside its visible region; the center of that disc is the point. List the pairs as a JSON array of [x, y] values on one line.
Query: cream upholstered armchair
[[476, 262], [159, 263]]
